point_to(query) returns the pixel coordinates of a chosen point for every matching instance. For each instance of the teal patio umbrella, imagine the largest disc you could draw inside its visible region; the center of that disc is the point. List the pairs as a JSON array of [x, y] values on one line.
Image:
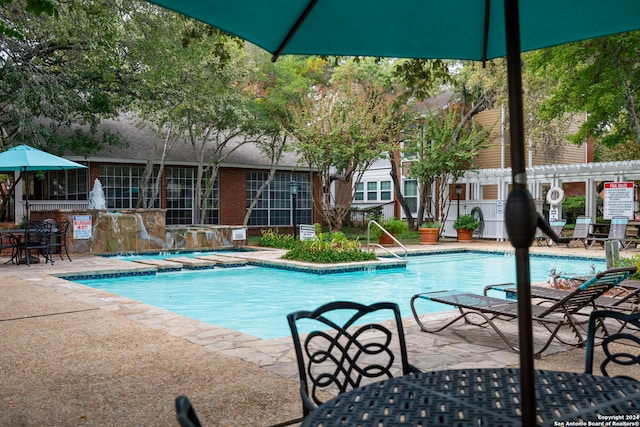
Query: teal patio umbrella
[[25, 159], [455, 29]]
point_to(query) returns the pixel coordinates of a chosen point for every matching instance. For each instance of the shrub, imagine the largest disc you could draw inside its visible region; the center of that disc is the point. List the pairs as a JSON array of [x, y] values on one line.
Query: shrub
[[466, 222], [634, 260], [329, 248], [393, 225], [273, 239]]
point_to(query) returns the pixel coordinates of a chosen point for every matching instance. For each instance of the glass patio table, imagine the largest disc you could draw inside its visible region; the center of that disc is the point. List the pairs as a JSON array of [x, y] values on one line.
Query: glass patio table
[[483, 397]]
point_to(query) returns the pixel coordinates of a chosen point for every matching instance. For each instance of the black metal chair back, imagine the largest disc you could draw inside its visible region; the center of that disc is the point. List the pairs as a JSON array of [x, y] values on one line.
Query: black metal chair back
[[60, 239], [185, 413], [620, 348], [346, 348], [37, 237]]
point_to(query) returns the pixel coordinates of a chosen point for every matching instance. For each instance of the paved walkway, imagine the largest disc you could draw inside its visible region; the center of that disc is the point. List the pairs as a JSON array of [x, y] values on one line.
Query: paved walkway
[[233, 378]]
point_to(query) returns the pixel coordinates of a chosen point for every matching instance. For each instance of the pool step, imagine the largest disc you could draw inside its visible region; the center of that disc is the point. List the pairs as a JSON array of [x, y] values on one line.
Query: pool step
[[224, 261], [192, 263], [162, 266]]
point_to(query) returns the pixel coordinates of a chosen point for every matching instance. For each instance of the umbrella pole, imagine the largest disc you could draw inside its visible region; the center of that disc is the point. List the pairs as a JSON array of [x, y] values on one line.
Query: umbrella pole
[[521, 215]]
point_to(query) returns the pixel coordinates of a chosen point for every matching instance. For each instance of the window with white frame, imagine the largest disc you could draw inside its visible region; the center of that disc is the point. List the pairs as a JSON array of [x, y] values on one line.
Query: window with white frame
[[372, 191], [411, 194], [359, 193], [385, 191]]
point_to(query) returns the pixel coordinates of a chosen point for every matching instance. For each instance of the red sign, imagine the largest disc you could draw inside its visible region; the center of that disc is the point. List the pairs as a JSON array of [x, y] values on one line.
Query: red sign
[[618, 185]]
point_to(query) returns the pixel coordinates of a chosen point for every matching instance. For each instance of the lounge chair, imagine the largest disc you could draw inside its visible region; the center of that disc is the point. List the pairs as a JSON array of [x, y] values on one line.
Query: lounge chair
[[554, 316], [557, 227], [581, 231], [617, 233], [626, 298]]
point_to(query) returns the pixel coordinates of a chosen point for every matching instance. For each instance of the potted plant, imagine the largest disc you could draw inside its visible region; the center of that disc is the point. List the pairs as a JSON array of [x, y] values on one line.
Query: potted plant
[[465, 225], [394, 226], [430, 232]]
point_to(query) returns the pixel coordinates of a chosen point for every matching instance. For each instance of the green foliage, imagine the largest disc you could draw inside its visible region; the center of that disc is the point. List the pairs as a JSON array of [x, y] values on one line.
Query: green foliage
[[466, 222], [432, 224], [329, 248], [326, 248], [597, 76], [443, 145], [573, 207], [273, 239], [634, 260], [393, 225]]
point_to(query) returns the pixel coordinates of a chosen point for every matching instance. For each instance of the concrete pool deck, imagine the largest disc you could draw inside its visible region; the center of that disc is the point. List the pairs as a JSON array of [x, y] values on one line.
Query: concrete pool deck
[[73, 355]]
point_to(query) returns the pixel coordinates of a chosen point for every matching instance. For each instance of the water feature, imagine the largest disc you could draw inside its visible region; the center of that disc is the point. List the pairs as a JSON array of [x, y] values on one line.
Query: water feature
[[96, 196], [256, 300]]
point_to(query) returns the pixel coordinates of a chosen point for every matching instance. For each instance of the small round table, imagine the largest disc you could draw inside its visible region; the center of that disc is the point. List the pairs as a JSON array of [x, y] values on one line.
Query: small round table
[[482, 397]]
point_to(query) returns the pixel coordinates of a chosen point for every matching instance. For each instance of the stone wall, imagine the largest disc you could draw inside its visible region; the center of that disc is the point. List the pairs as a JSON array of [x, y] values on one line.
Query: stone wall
[[138, 230]]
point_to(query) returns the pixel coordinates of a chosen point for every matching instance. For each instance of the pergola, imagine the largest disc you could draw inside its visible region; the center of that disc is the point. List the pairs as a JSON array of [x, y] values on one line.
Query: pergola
[[555, 175]]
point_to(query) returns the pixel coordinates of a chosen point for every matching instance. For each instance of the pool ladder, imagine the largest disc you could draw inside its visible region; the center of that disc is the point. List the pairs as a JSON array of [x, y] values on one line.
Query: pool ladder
[[375, 223]]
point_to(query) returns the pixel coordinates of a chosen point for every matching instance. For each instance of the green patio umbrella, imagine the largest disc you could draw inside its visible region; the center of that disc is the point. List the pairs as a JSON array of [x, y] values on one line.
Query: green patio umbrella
[[455, 29], [25, 159]]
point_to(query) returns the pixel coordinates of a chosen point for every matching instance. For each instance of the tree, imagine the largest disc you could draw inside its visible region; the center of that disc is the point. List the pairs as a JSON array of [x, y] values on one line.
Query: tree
[[341, 130], [195, 82], [278, 86], [600, 77], [59, 69], [442, 146]]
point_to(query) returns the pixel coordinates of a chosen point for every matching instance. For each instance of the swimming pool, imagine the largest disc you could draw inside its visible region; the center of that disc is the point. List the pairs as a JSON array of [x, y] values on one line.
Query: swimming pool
[[256, 300]]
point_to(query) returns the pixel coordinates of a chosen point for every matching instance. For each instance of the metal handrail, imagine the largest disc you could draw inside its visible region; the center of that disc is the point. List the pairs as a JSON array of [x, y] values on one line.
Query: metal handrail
[[374, 222]]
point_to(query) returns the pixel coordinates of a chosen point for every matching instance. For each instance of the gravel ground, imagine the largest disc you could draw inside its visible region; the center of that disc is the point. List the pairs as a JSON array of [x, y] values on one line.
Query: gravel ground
[[66, 363]]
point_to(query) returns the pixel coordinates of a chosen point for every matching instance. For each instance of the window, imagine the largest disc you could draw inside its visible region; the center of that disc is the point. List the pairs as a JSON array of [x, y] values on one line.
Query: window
[[385, 190], [60, 185], [122, 185], [372, 191], [411, 194], [275, 207], [359, 194], [181, 183]]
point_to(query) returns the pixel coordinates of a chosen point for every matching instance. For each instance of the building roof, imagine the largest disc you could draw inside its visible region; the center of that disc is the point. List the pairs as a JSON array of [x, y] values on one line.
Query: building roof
[[140, 142]]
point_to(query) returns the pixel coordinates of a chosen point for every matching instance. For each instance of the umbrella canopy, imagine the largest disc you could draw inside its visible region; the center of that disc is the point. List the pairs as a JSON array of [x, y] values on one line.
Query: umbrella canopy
[[27, 159], [455, 29]]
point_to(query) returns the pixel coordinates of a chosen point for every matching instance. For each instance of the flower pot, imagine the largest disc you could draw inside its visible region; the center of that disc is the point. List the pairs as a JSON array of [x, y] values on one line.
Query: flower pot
[[429, 236], [465, 235], [385, 240]]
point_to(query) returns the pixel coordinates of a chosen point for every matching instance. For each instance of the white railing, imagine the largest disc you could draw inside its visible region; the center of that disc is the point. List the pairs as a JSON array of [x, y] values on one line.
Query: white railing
[[375, 223], [58, 205]]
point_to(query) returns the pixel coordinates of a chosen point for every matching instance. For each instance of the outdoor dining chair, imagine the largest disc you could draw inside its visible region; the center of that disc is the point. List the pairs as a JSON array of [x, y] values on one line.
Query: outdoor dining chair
[[341, 346], [37, 237], [621, 348], [185, 413], [59, 240]]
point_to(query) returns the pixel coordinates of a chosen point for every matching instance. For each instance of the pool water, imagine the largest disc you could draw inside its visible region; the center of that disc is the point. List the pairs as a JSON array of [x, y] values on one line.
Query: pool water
[[256, 300]]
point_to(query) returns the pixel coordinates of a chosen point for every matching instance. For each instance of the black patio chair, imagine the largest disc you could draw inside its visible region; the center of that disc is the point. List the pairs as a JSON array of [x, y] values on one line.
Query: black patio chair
[[37, 237], [616, 347], [185, 413], [346, 348], [59, 239], [9, 241]]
